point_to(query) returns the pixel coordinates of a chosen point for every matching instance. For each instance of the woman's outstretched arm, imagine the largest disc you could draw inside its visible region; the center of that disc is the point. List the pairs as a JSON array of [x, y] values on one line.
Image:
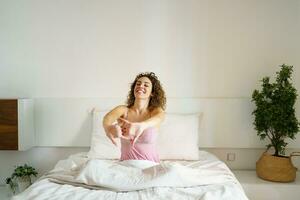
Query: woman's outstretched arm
[[136, 129], [157, 117], [113, 130]]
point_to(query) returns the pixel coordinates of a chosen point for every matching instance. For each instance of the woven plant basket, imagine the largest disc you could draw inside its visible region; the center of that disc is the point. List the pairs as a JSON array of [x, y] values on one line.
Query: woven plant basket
[[274, 168]]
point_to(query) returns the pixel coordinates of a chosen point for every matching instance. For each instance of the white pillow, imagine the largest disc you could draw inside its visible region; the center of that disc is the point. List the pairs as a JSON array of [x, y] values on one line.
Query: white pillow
[[178, 137], [101, 146]]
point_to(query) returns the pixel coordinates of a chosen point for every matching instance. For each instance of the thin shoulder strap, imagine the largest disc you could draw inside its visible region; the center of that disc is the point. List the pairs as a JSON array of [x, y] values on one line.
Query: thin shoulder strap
[[126, 114]]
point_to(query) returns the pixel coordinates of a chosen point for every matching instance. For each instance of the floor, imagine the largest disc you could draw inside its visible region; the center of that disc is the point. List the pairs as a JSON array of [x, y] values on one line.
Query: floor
[[258, 189]]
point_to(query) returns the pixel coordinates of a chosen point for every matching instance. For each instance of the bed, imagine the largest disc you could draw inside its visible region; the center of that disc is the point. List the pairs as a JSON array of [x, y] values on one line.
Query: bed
[[183, 173]]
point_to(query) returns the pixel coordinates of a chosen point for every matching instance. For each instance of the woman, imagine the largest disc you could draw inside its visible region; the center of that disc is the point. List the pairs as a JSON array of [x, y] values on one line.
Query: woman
[[138, 121]]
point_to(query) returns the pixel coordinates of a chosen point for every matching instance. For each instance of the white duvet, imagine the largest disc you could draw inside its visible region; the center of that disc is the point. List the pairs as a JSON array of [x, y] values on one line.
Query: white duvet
[[80, 178]]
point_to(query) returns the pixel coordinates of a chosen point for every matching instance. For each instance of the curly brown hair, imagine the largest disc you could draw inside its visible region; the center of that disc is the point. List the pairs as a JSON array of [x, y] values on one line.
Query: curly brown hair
[[158, 97]]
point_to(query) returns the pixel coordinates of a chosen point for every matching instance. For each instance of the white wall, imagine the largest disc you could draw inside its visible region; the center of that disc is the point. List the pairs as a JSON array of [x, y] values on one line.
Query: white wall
[[199, 49]]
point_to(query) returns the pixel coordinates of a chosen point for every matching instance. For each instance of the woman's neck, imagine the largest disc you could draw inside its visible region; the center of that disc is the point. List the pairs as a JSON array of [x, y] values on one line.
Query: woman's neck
[[140, 106]]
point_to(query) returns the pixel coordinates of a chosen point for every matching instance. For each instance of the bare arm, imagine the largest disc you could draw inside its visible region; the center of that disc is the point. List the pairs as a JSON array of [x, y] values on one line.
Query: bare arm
[[113, 130], [157, 117], [113, 115], [136, 128]]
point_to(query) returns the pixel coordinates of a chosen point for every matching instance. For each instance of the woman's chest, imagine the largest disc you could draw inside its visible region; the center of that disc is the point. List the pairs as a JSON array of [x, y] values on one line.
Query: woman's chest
[[135, 117]]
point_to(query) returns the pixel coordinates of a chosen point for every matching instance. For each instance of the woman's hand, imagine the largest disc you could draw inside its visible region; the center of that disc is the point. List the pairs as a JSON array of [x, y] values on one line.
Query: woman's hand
[[131, 130], [114, 131]]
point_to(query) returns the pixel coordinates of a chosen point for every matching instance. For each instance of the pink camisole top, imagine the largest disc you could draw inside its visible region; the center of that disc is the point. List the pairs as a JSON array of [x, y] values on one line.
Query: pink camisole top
[[143, 149]]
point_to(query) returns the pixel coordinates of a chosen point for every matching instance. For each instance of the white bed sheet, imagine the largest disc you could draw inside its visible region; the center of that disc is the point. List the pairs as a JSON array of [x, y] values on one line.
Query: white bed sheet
[[44, 188]]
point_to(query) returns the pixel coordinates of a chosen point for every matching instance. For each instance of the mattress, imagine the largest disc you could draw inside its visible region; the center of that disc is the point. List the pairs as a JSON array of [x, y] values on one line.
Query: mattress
[[78, 177]]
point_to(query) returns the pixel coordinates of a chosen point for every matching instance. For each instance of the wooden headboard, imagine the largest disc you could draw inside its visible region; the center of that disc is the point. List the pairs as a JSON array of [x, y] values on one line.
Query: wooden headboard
[[8, 124], [17, 129]]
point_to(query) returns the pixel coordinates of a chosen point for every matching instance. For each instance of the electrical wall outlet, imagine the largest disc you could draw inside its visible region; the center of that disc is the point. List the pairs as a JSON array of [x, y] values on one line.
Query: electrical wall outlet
[[230, 156]]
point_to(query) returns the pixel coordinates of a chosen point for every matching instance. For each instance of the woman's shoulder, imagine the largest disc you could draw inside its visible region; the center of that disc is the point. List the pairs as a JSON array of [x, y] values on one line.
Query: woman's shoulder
[[118, 110], [121, 109], [157, 110]]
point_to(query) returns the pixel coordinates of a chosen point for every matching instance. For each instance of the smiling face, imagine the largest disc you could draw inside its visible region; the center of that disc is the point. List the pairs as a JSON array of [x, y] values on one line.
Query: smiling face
[[147, 86], [143, 88]]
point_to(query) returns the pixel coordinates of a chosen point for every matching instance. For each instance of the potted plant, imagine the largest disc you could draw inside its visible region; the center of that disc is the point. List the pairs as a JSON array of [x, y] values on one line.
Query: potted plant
[[275, 120], [21, 178]]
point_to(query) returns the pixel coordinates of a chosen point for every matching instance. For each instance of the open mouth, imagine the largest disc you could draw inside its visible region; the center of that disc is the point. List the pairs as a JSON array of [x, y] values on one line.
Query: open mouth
[[140, 91]]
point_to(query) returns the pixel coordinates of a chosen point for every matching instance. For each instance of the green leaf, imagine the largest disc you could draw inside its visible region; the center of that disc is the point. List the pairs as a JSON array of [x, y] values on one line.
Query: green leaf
[[275, 109]]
